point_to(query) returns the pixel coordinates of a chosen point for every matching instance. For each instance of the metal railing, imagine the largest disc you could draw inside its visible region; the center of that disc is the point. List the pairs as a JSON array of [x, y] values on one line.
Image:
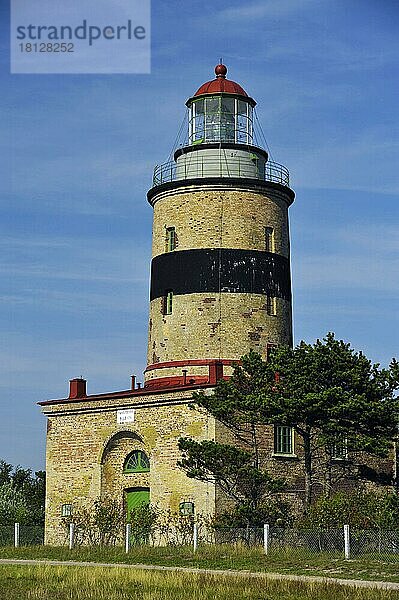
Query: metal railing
[[220, 167]]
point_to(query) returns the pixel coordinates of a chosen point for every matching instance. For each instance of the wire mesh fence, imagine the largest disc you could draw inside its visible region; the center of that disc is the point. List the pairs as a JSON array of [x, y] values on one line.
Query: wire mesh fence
[[375, 544], [24, 535], [31, 535], [6, 535], [370, 544]]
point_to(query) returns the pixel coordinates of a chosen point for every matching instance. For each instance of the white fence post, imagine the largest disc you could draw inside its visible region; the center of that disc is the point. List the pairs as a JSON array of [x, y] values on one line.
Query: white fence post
[[71, 535], [16, 535], [266, 530], [195, 537], [347, 542], [127, 537]]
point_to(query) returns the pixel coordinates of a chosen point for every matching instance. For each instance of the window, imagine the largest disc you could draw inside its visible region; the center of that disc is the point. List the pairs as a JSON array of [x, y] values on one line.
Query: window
[[271, 306], [137, 462], [283, 439], [339, 450], [170, 239], [66, 510], [168, 302], [269, 239], [186, 509]]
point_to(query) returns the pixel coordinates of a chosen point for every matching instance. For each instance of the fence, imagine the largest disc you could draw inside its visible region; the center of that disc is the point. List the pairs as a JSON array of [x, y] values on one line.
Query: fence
[[21, 535], [341, 542]]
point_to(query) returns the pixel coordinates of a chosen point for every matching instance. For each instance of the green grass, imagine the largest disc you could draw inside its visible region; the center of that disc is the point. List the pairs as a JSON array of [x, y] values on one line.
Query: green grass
[[95, 583], [222, 557]]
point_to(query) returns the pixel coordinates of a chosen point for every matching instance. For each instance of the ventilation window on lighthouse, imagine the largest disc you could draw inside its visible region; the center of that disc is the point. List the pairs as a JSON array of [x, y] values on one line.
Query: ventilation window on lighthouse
[[168, 302], [269, 239], [271, 306], [170, 239]]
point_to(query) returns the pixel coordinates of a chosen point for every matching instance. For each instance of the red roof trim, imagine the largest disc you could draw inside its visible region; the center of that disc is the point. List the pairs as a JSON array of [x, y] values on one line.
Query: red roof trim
[[125, 394]]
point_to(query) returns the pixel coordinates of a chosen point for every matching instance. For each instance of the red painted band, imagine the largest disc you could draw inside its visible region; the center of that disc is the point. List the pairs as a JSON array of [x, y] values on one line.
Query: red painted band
[[192, 362]]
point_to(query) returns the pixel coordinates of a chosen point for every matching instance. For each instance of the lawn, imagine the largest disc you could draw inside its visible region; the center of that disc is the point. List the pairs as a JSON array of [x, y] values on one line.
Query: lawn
[[95, 583], [222, 557]]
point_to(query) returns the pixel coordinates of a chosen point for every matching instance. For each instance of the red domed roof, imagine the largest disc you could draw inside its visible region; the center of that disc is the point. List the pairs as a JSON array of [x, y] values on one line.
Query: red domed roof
[[221, 84]]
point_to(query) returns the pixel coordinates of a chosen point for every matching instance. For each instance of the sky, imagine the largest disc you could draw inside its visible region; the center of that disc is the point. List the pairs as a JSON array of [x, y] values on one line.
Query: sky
[[76, 160]]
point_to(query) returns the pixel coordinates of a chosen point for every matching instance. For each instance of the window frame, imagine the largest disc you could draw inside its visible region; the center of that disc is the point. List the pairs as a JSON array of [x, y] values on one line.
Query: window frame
[[279, 448], [341, 444], [140, 468], [168, 302], [66, 510], [271, 305], [170, 239], [269, 239], [187, 508]]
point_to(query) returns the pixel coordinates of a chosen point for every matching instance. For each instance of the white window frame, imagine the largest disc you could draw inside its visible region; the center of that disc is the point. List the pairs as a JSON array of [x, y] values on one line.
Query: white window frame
[[269, 239], [278, 440], [271, 306], [66, 510], [342, 453]]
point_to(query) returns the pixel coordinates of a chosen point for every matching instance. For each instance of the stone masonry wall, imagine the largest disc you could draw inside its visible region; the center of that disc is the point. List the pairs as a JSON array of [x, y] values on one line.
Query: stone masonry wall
[[82, 465]]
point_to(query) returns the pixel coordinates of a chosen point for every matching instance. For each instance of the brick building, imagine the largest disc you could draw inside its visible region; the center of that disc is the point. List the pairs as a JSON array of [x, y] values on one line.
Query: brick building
[[220, 286]]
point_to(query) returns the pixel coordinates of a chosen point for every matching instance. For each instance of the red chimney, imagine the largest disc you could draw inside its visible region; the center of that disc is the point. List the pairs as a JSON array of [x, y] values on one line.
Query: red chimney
[[133, 387], [77, 388], [215, 371]]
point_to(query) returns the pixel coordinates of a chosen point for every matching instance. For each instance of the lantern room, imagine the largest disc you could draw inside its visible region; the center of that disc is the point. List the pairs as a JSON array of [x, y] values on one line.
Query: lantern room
[[220, 111]]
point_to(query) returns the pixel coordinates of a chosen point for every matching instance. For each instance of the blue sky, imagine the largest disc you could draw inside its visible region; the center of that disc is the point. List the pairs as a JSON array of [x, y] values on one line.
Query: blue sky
[[77, 153]]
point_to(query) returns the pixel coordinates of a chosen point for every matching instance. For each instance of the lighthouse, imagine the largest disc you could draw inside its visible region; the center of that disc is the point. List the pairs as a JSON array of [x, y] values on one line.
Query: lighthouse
[[220, 271], [220, 286]]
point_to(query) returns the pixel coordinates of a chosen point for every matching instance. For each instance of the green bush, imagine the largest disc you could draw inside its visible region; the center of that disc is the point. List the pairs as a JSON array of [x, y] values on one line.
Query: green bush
[[361, 509]]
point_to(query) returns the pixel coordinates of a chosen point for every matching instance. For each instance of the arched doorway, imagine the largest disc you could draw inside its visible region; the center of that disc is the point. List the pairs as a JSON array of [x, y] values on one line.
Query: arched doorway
[[125, 470]]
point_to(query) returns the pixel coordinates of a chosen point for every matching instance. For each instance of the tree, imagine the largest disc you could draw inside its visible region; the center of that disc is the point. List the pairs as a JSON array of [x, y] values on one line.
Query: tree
[[13, 506], [329, 393], [236, 468], [326, 391], [26, 486]]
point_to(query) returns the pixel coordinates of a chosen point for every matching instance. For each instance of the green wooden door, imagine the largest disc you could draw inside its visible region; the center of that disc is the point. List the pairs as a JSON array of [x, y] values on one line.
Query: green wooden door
[[136, 497]]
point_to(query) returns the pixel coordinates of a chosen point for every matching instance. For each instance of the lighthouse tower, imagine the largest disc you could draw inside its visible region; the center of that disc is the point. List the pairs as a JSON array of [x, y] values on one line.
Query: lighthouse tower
[[220, 272], [220, 286]]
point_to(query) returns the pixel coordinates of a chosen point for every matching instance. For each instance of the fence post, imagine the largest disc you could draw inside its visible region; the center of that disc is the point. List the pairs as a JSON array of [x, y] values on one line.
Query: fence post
[[266, 530], [71, 535], [347, 542], [195, 537], [127, 537], [16, 535]]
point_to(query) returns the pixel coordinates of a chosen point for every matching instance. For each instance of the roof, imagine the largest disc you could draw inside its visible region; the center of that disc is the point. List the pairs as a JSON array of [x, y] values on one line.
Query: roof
[[221, 84]]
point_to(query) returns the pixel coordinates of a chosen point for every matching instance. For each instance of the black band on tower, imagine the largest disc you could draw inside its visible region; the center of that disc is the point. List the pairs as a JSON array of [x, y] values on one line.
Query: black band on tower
[[221, 269]]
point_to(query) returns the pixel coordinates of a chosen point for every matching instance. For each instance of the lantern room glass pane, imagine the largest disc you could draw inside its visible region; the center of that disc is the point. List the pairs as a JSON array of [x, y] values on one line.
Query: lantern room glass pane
[[227, 120], [198, 116], [212, 119], [220, 118]]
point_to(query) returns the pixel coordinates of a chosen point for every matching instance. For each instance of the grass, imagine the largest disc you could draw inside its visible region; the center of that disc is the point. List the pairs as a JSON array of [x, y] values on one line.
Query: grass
[[222, 557], [95, 583]]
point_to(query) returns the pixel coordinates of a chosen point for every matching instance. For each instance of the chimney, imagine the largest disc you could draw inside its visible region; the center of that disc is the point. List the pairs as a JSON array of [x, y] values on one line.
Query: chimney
[[133, 382], [215, 371], [77, 388]]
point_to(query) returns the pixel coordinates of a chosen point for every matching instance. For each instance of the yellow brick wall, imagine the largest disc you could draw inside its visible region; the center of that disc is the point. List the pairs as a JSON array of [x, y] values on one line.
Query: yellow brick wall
[[212, 325], [220, 219], [206, 326], [79, 471]]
